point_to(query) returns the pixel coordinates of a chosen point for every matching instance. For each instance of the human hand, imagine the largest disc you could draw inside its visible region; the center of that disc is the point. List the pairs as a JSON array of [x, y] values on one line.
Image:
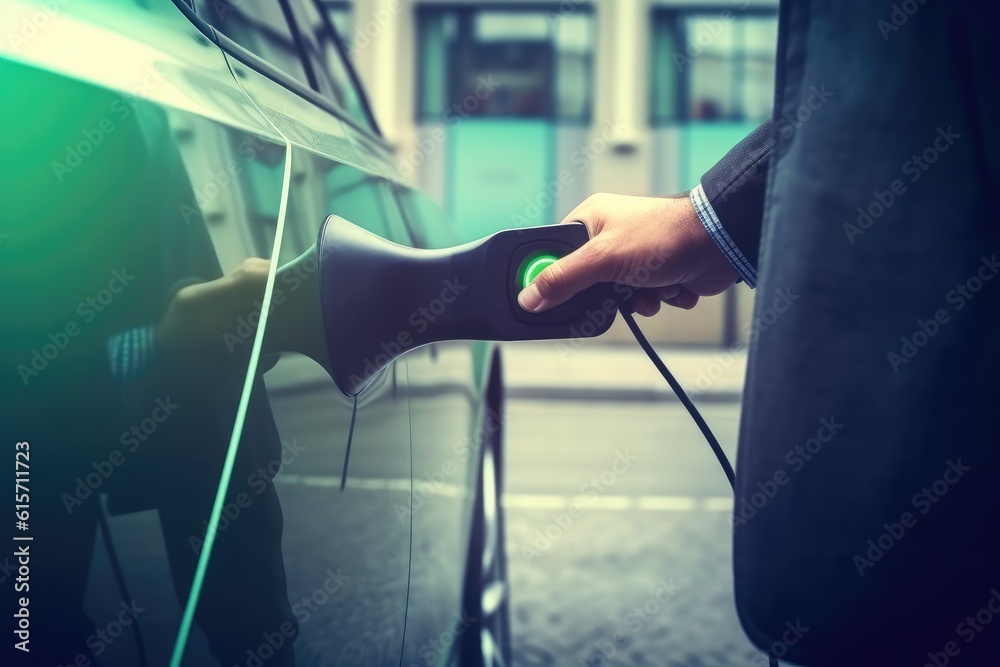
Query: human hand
[[204, 311], [654, 244]]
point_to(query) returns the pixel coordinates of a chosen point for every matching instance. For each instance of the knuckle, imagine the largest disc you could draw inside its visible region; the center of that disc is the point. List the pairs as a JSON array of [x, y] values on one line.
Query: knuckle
[[554, 278]]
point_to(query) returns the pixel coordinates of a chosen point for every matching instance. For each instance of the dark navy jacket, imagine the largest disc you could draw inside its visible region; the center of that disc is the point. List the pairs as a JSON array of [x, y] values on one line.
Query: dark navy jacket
[[867, 497]]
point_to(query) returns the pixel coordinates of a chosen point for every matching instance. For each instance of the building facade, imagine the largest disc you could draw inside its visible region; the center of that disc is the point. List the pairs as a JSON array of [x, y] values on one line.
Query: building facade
[[511, 112]]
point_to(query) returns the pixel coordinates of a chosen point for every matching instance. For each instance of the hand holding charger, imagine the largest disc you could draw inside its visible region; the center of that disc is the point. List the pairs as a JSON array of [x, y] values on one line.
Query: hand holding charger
[[380, 299]]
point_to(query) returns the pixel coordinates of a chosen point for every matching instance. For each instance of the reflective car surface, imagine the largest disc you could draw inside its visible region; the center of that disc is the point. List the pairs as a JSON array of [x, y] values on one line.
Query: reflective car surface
[[200, 491]]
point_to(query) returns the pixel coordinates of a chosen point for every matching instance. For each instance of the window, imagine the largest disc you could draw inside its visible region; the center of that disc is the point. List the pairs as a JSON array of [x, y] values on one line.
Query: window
[[341, 15], [713, 66], [333, 79], [259, 26], [507, 63]]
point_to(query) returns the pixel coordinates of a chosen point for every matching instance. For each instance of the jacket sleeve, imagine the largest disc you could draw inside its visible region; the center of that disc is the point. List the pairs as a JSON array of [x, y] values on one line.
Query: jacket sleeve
[[729, 200]]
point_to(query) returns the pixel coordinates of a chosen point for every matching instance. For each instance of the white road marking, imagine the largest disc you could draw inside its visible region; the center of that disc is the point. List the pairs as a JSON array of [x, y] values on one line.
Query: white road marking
[[723, 504], [668, 503], [527, 501]]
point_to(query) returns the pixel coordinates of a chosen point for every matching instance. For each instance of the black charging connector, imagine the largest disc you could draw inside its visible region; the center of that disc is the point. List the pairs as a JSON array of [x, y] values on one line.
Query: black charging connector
[[379, 299]]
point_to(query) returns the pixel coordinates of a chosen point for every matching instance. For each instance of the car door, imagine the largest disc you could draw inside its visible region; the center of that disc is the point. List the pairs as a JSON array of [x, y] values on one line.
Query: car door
[[142, 191], [448, 378], [345, 496], [446, 386], [448, 414]]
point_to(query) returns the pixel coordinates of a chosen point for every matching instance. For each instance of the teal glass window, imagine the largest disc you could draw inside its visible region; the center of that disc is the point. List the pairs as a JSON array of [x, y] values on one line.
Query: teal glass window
[[713, 65], [499, 62]]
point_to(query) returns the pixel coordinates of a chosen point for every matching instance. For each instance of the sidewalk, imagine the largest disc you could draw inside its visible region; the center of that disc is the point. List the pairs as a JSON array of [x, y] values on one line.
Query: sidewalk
[[595, 371], [620, 372]]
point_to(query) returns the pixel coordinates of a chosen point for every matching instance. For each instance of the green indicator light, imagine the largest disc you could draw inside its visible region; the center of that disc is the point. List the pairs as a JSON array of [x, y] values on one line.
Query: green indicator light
[[533, 266]]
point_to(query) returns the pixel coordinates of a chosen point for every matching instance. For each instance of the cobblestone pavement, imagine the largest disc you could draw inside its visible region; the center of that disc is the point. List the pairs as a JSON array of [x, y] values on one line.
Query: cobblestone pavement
[[641, 575], [638, 575]]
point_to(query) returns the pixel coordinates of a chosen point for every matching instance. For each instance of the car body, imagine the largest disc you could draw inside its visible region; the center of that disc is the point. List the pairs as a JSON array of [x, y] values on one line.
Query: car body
[[163, 165]]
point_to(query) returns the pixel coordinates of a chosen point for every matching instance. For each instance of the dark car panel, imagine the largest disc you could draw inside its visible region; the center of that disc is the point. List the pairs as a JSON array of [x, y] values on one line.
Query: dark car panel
[[199, 159]]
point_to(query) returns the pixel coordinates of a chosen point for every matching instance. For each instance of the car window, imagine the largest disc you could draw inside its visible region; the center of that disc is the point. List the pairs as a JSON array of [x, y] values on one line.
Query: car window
[[332, 77], [259, 26]]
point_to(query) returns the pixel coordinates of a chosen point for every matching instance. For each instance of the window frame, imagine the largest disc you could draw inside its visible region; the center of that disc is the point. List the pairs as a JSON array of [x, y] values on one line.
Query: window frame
[[424, 10], [337, 40], [674, 15], [266, 69]]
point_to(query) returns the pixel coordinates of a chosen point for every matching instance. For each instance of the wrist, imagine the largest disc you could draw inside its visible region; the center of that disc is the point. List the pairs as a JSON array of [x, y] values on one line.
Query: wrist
[[710, 271], [726, 247]]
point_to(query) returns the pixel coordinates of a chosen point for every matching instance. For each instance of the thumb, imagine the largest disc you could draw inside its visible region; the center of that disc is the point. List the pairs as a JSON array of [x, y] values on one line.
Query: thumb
[[564, 278]]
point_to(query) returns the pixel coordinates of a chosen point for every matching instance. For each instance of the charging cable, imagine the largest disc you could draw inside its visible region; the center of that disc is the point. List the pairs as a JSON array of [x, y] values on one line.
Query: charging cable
[[640, 338], [626, 310]]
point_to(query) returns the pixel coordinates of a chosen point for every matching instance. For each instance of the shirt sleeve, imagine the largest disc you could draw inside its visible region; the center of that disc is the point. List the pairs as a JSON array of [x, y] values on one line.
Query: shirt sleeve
[[729, 200]]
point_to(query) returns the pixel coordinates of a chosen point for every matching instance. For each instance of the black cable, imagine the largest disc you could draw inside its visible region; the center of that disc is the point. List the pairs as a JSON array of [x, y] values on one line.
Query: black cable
[[350, 439], [116, 567], [626, 312], [640, 338]]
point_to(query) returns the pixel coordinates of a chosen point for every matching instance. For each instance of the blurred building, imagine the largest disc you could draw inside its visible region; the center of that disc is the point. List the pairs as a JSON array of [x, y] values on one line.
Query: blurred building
[[511, 112]]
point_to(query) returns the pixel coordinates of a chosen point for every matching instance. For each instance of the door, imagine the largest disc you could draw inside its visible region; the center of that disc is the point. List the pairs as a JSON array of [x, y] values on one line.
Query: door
[[344, 487], [446, 379], [141, 193]]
